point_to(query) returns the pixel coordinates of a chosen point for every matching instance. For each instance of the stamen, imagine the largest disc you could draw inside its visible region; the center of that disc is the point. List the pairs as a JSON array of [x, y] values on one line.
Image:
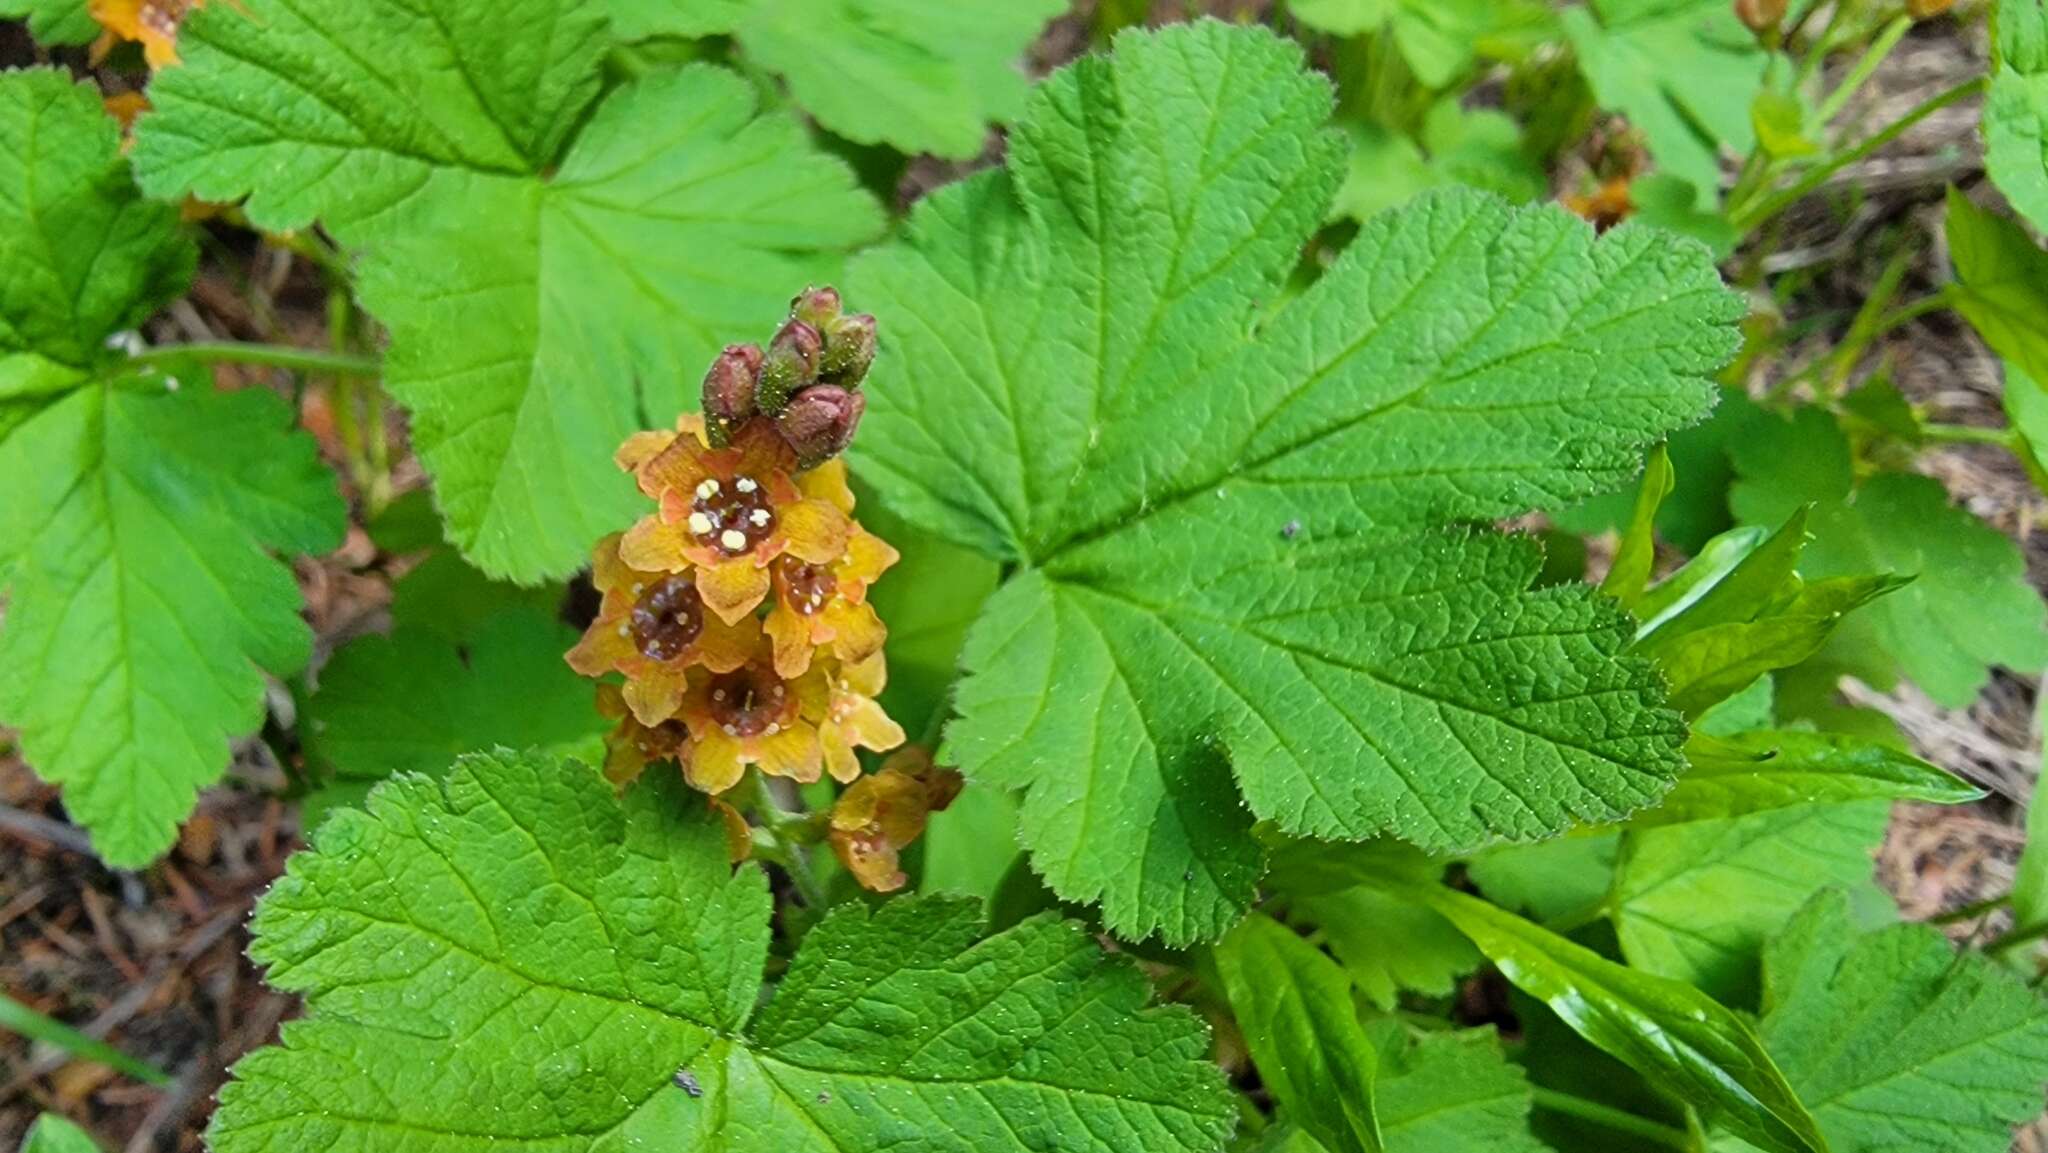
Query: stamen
[[732, 539], [707, 490], [745, 484], [760, 518], [700, 524]]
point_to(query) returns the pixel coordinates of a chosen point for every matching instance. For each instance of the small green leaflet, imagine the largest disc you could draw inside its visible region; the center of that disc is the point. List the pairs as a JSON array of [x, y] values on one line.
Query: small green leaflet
[[1684, 72], [1896, 1042], [512, 957], [1695, 902], [2001, 284], [1481, 148], [54, 21], [1969, 606], [1235, 582], [2016, 109], [1438, 38], [1564, 879], [411, 701], [1438, 1093], [1757, 771], [438, 138], [53, 1134], [1669, 1032], [134, 508], [1388, 944], [919, 76], [1295, 1008]]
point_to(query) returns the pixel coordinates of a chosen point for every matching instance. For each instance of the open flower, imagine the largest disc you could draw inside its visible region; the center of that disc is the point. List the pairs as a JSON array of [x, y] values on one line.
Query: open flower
[[847, 714], [752, 716], [730, 512], [631, 746], [652, 627], [820, 605], [880, 815], [153, 23]]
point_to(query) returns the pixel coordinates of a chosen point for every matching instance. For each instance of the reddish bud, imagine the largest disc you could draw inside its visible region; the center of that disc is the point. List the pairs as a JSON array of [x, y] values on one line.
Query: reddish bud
[[790, 366], [729, 390], [820, 422], [849, 350], [1760, 15], [817, 307]]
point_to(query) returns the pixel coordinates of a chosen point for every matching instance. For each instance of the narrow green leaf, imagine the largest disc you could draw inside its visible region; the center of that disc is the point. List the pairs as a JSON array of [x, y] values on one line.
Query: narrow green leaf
[[1741, 593], [1629, 575], [16, 1017], [1294, 1006], [1673, 1034], [2030, 879], [1754, 772]]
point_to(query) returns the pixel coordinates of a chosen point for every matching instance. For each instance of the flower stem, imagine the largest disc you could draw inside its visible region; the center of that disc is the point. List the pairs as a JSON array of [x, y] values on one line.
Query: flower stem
[[1612, 1118], [269, 355], [1968, 434]]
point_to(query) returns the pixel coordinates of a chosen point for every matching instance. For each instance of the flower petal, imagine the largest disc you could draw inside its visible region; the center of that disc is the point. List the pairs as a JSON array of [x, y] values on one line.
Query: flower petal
[[715, 765], [866, 558], [603, 646], [840, 760], [867, 725], [725, 647], [866, 677], [656, 692], [857, 633], [827, 482], [813, 530], [733, 589], [792, 753], [791, 634], [654, 547], [680, 467], [640, 448]]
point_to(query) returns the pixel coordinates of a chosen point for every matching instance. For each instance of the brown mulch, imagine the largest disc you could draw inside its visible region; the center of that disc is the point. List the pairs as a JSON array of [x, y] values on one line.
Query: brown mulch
[[154, 960]]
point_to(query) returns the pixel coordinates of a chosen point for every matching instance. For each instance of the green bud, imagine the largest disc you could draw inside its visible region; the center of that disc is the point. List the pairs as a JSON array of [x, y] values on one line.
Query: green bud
[[817, 307], [790, 366], [849, 350], [729, 390]]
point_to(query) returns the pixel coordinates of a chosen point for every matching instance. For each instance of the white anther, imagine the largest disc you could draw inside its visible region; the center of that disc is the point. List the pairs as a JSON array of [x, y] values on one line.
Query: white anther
[[733, 539], [745, 484], [773, 728], [760, 517], [707, 490], [731, 730], [700, 524]]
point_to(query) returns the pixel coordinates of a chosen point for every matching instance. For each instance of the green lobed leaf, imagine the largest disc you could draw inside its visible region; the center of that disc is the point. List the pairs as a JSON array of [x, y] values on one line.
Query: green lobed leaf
[[514, 958], [1969, 605], [1294, 1005], [1481, 148], [1754, 772], [1388, 944], [1670, 1032], [145, 608], [444, 683], [1898, 1043], [1230, 545], [1684, 72], [1440, 39], [82, 255], [677, 219], [53, 1134], [2001, 284], [1562, 880], [1450, 1093], [54, 21], [2016, 108], [919, 77], [1695, 902]]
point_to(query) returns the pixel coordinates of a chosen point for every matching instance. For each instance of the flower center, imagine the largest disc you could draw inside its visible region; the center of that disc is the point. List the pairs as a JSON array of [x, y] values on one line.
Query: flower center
[[667, 617], [731, 516], [809, 585], [751, 701], [662, 741], [162, 16]]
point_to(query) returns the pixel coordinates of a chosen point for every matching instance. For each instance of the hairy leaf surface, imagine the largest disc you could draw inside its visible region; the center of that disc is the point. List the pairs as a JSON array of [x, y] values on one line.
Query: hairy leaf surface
[[545, 297], [1232, 544], [511, 958]]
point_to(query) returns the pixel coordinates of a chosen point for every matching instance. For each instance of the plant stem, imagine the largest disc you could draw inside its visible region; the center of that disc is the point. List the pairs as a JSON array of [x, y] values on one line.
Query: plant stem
[[1750, 218], [1612, 1118], [779, 845], [270, 355], [1859, 75], [1967, 434], [19, 1018], [1906, 314]]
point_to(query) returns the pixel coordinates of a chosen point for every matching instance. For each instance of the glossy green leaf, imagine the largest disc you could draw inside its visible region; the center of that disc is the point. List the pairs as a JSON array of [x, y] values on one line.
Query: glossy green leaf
[[553, 274], [1673, 1034], [1898, 1043], [1754, 772], [1695, 902], [1231, 545], [917, 76], [513, 958], [1294, 1005]]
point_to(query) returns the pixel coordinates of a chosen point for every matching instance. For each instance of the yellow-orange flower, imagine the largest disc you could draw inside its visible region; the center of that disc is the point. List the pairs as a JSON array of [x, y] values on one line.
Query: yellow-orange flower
[[847, 714], [154, 23], [729, 512], [826, 605], [880, 815], [652, 627], [631, 746], [752, 716]]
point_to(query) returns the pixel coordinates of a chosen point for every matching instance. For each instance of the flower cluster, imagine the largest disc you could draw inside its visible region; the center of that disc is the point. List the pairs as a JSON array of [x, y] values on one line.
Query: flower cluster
[[876, 819], [151, 23], [737, 611]]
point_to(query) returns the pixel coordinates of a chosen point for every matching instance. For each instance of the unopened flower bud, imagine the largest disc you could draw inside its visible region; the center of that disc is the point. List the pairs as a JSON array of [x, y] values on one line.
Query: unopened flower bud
[[817, 307], [1760, 15], [820, 422], [790, 366], [849, 350], [729, 391], [1927, 9]]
